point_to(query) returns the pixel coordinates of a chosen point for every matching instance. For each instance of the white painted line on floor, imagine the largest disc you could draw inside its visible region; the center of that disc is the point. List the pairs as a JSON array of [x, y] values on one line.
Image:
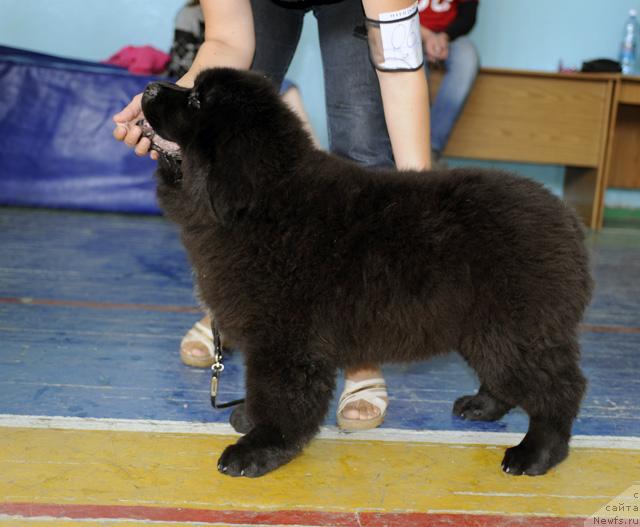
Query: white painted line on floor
[[452, 437]]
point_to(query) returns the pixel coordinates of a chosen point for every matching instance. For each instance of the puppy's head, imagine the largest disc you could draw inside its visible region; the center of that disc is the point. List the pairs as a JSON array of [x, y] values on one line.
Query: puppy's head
[[222, 103], [233, 131]]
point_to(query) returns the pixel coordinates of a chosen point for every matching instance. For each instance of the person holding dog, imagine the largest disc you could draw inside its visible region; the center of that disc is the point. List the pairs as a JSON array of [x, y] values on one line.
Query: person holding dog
[[444, 25], [388, 92]]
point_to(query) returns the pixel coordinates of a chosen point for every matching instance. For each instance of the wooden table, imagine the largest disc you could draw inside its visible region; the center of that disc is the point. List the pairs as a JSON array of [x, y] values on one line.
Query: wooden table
[[558, 119], [623, 163]]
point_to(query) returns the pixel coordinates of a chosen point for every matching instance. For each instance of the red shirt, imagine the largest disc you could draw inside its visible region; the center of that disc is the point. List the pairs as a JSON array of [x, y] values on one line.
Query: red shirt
[[437, 15]]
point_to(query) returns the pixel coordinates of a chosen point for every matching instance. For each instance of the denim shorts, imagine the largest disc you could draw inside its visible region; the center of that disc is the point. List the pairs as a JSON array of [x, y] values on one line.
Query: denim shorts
[[355, 116]]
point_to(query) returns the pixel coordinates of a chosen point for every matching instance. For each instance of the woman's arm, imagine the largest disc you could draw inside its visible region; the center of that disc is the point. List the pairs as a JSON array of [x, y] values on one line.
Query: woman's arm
[[229, 41], [405, 97]]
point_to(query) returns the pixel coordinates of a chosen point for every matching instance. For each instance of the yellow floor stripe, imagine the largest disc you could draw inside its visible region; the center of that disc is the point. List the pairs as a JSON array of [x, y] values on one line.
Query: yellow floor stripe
[[179, 470]]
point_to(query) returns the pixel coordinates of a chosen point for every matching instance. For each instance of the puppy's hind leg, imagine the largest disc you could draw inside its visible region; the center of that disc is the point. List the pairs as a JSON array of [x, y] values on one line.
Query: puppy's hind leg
[[551, 387], [287, 399], [483, 406]]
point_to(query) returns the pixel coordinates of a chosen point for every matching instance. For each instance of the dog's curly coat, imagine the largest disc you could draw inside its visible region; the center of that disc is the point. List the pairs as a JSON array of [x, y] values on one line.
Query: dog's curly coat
[[310, 263]]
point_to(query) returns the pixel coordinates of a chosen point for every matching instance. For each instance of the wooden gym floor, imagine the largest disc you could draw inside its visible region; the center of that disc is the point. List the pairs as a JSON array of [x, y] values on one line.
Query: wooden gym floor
[[101, 424]]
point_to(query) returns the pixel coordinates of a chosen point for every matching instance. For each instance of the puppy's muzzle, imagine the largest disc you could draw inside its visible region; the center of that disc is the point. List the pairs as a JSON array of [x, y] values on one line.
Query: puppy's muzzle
[[154, 89]]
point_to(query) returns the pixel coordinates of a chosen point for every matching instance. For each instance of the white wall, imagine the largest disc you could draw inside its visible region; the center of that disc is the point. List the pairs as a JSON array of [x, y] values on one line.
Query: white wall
[[521, 34]]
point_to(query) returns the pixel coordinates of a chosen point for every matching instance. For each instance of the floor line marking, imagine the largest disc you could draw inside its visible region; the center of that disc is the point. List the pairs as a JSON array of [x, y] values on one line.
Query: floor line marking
[[291, 518], [532, 495], [100, 521], [169, 308], [452, 437], [99, 305], [593, 328]]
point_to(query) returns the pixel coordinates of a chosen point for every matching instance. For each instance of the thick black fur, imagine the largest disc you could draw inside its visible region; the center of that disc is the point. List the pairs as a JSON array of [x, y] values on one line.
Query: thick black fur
[[310, 263]]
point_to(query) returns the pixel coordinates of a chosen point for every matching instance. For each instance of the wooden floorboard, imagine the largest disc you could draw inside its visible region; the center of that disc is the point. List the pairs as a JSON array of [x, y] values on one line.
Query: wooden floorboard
[[92, 310], [86, 345]]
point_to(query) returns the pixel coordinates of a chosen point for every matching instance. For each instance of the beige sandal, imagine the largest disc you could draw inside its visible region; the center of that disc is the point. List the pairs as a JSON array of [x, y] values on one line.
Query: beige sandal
[[200, 336], [369, 390]]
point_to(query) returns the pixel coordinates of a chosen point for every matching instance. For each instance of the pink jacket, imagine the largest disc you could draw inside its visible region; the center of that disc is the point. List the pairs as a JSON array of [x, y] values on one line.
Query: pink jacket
[[141, 60]]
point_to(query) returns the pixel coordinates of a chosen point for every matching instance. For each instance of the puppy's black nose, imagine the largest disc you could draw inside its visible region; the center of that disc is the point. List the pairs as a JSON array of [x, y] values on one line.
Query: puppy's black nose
[[151, 90]]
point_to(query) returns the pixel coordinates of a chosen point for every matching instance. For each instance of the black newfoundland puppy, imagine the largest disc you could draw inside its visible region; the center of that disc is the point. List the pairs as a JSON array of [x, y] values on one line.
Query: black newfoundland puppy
[[310, 263]]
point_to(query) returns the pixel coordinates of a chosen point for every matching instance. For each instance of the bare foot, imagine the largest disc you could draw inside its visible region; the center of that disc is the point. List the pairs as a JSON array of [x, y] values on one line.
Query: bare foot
[[196, 348]]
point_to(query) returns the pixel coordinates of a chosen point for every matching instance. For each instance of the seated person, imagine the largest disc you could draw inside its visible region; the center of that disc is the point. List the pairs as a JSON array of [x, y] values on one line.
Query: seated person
[[187, 38], [444, 24]]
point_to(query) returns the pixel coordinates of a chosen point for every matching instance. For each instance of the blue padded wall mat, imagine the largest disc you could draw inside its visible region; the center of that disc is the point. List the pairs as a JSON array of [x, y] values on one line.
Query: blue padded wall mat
[[56, 144]]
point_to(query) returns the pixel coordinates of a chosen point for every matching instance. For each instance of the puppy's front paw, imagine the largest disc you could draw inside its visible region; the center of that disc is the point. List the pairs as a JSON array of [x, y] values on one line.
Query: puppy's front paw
[[249, 461], [240, 421], [531, 460]]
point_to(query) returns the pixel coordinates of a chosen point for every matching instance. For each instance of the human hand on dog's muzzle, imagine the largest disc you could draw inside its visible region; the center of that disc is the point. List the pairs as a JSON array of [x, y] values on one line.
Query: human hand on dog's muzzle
[[128, 130]]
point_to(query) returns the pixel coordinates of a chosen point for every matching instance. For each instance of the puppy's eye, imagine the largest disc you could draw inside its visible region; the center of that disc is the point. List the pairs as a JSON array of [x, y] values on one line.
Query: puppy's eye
[[193, 101]]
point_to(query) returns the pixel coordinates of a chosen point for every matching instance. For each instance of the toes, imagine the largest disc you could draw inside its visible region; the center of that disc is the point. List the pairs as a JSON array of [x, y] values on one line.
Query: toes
[[360, 410], [512, 462], [523, 459], [479, 407], [519, 460], [472, 408], [460, 404], [237, 460], [467, 408], [225, 462], [196, 349], [251, 461]]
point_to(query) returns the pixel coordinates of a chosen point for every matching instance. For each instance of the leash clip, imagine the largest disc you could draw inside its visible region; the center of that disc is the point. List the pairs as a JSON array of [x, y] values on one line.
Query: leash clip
[[216, 369]]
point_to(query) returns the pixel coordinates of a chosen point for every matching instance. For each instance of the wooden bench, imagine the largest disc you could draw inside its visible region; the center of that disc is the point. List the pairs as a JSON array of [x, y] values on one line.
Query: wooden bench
[[553, 118]]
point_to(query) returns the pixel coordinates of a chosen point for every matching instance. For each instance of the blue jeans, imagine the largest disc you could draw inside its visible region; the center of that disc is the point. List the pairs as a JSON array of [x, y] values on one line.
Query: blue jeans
[[461, 69], [355, 116]]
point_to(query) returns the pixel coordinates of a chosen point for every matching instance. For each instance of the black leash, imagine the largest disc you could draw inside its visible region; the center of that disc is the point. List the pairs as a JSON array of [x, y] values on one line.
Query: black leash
[[217, 368]]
